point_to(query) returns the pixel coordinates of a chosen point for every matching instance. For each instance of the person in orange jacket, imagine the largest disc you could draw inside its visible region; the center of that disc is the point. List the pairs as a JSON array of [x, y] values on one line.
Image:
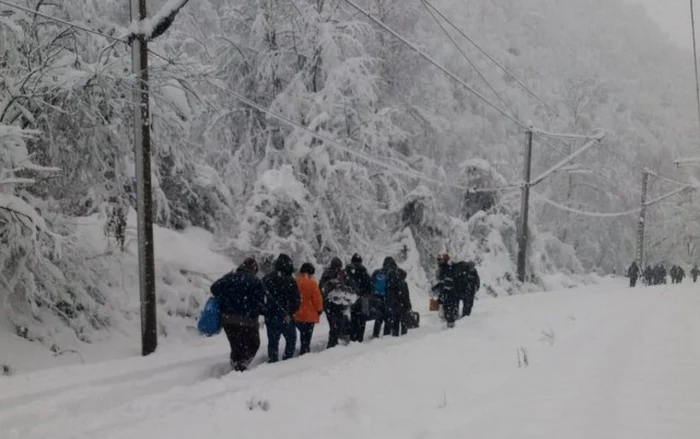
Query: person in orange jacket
[[311, 306]]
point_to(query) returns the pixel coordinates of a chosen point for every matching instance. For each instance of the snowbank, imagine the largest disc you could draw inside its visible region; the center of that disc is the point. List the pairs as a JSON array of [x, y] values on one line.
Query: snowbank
[[185, 267]]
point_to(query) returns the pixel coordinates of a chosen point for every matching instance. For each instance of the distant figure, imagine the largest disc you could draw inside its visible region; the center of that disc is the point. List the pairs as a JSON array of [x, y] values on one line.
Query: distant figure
[[648, 276], [680, 275], [633, 274], [674, 274], [659, 274], [695, 272]]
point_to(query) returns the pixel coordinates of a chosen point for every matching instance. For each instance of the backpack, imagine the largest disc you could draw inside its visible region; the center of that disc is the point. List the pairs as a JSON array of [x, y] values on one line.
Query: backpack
[[466, 278], [460, 274], [380, 284]]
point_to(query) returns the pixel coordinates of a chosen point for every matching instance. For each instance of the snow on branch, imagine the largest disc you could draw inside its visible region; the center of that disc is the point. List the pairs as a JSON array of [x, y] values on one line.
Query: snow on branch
[[29, 217], [152, 28]]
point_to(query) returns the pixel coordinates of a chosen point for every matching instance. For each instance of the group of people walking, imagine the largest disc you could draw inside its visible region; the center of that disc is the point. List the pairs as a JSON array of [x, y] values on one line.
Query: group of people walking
[[349, 296], [657, 275]]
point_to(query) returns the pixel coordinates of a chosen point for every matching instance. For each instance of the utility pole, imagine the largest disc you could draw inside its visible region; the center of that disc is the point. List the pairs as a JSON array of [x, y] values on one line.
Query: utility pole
[[524, 209], [144, 206], [642, 220]]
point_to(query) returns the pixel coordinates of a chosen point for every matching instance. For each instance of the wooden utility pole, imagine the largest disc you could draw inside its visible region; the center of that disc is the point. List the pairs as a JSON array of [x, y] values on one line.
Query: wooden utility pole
[[144, 206], [524, 209], [642, 220]]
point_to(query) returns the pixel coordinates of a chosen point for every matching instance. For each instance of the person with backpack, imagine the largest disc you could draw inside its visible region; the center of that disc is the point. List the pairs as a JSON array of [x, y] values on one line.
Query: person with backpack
[[466, 284], [284, 293], [387, 288], [633, 274], [446, 291], [360, 283], [338, 299], [242, 299], [311, 306]]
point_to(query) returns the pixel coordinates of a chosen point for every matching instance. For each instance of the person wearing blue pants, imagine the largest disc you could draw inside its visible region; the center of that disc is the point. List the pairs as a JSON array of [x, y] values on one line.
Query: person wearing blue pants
[[284, 294]]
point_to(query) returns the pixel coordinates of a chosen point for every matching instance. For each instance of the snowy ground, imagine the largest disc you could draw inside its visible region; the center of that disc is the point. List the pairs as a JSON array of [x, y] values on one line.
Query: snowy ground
[[603, 362]]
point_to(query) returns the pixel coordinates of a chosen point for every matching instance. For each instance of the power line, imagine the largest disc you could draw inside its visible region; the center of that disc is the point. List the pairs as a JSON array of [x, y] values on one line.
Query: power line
[[501, 66], [695, 56], [466, 57], [366, 157], [79, 27], [438, 65]]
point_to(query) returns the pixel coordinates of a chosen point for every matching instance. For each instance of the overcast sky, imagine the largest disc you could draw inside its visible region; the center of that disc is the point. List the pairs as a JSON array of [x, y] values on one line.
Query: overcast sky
[[674, 18]]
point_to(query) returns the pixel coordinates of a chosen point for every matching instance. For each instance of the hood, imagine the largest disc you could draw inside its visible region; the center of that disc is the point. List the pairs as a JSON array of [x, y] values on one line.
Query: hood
[[284, 264], [390, 264], [336, 264]]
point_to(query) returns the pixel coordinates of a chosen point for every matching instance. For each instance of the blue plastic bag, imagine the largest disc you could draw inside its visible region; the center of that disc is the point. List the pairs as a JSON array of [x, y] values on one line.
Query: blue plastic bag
[[210, 320]]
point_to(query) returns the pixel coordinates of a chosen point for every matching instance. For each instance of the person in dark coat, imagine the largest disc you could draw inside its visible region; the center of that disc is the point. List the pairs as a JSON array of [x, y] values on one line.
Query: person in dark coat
[[337, 299], [284, 293], [633, 274], [473, 285], [387, 288], [648, 276], [242, 299], [695, 272], [404, 303], [674, 274], [448, 295], [359, 281], [680, 275]]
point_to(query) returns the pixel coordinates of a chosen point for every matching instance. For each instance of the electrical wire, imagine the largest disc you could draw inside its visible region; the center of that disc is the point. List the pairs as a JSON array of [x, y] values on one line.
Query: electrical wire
[[466, 57], [501, 66], [695, 56], [428, 58], [364, 156], [79, 27]]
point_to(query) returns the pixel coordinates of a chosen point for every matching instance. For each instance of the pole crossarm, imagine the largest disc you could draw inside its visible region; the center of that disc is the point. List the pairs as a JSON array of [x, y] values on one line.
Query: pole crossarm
[[591, 143]]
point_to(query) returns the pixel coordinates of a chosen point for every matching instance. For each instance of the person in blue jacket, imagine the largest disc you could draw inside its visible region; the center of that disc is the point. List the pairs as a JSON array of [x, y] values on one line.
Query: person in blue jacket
[[242, 299]]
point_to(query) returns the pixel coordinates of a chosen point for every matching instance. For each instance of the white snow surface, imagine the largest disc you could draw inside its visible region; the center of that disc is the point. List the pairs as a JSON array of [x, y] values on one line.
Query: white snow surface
[[604, 361]]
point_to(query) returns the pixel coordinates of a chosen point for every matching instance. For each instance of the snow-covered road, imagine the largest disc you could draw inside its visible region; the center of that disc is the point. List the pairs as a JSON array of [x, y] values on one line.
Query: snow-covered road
[[603, 362]]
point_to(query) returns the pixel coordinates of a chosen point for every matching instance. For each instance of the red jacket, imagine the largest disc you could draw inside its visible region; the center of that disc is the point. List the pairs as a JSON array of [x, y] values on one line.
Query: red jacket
[[311, 300]]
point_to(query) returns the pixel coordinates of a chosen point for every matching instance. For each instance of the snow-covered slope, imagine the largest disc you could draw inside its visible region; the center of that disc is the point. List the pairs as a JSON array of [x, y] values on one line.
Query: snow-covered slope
[[602, 362]]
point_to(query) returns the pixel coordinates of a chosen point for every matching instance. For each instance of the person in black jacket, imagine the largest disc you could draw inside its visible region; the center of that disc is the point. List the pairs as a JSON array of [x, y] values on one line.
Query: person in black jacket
[[404, 303], [448, 295], [338, 298], [359, 282], [284, 294], [242, 300], [387, 288]]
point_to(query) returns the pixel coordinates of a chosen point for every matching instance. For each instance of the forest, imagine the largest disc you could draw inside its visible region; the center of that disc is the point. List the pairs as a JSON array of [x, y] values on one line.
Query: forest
[[397, 147]]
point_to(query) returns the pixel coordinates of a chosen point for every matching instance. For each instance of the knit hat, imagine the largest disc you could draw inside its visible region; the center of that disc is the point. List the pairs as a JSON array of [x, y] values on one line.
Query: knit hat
[[250, 265], [356, 259]]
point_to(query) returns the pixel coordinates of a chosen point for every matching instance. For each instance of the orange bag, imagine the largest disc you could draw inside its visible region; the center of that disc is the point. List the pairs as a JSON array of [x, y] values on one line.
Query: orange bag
[[434, 305]]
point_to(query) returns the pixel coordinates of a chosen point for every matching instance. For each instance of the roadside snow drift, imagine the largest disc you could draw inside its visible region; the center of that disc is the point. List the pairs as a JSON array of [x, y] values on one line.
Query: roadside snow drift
[[596, 362]]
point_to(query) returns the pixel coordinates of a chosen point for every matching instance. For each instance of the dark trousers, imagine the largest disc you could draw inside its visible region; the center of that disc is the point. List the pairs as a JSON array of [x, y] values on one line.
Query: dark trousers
[[276, 330], [394, 325], [245, 342], [336, 322], [633, 281], [467, 304], [451, 310], [358, 325], [306, 331]]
